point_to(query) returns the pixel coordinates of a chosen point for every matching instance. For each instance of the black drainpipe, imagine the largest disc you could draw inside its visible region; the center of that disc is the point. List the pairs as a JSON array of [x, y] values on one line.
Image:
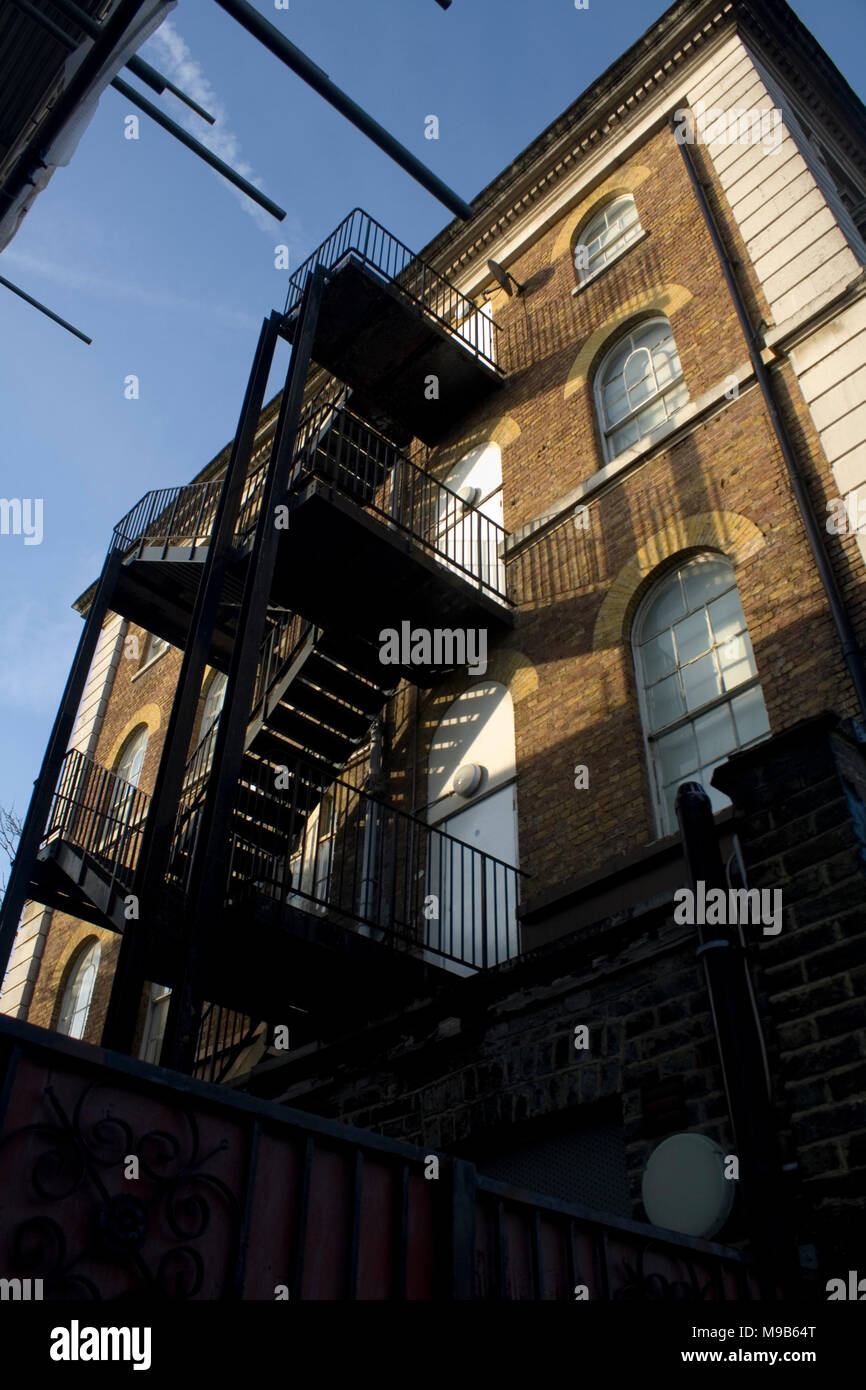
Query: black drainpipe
[[851, 651]]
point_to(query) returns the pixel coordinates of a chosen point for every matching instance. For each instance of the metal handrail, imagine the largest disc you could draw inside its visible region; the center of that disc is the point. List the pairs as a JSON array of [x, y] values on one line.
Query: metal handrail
[[324, 846], [98, 812], [345, 452], [341, 449]]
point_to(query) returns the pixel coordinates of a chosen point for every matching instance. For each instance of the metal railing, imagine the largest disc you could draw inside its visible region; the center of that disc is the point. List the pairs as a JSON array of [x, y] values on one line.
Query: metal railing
[[223, 1035], [98, 812], [361, 236], [169, 516], [343, 451], [284, 636], [338, 852]]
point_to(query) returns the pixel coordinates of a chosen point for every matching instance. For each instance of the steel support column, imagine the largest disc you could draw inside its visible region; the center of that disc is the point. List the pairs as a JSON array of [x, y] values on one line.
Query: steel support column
[[36, 819], [208, 871], [157, 836]]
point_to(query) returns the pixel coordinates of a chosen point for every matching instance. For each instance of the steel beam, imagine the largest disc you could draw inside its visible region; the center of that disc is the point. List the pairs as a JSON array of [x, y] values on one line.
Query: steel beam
[[156, 842], [198, 148], [276, 43], [43, 309], [154, 79], [208, 870]]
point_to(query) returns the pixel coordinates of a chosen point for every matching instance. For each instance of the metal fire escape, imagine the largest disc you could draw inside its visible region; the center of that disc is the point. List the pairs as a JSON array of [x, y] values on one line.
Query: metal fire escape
[[263, 878]]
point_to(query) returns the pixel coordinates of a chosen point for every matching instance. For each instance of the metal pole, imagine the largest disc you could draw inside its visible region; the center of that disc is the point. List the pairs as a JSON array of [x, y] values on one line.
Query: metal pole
[[276, 43], [49, 313], [36, 819], [740, 1043], [154, 79], [156, 842], [198, 148], [207, 882]]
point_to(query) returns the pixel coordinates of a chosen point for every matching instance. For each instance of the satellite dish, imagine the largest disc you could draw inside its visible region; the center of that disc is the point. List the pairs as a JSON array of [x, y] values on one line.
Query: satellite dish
[[503, 278], [684, 1187]]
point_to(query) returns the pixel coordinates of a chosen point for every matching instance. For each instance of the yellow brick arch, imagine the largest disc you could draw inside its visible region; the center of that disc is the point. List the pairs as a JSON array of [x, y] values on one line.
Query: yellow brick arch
[[729, 532], [150, 715], [660, 299], [626, 180], [503, 432]]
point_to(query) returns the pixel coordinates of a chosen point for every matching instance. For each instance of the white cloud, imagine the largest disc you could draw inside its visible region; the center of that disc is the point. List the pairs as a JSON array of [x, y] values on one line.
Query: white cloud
[[172, 56]]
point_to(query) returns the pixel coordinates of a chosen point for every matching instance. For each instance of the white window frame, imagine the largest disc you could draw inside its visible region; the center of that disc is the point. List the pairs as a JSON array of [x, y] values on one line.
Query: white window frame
[[615, 248], [154, 1028], [73, 984], [607, 430]]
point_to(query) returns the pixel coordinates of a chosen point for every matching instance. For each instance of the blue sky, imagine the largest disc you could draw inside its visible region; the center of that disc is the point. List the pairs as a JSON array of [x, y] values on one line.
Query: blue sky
[[171, 271]]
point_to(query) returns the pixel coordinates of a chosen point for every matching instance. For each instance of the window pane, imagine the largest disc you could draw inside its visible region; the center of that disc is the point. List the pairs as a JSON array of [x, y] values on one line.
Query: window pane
[[651, 417], [692, 637], [726, 616], [718, 800], [715, 734], [701, 681], [670, 815], [637, 369], [665, 702], [750, 716], [651, 334], [737, 661], [658, 657], [624, 438], [676, 398], [616, 407], [705, 580], [677, 755], [666, 608]]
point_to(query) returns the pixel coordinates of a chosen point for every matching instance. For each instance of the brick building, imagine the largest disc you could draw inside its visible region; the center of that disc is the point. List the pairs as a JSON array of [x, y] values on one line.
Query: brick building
[[605, 439]]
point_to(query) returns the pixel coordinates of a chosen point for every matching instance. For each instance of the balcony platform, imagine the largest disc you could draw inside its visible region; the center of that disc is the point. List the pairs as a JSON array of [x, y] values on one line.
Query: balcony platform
[[159, 594], [351, 572], [383, 345], [388, 320]]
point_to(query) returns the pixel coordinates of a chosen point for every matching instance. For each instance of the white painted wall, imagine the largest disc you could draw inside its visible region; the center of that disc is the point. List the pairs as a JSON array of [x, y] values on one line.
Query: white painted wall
[[805, 249]]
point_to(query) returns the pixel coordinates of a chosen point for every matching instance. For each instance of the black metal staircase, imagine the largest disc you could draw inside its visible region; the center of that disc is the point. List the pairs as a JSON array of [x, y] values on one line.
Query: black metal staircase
[[338, 536]]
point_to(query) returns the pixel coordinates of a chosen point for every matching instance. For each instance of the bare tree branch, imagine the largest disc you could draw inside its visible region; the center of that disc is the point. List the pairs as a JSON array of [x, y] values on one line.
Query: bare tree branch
[[10, 833]]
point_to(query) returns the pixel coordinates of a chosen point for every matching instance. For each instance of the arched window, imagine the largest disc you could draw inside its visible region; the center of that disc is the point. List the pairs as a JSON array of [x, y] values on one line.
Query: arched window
[[129, 763], [471, 792], [79, 991], [605, 236], [700, 695], [639, 386], [213, 701], [127, 768]]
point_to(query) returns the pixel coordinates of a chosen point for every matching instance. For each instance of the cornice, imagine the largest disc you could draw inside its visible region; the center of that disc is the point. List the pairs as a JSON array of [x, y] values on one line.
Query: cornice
[[656, 61], [623, 91]]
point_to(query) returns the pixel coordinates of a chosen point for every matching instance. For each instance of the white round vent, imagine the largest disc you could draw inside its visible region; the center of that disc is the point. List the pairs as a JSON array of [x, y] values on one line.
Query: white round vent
[[684, 1186], [467, 779], [469, 495]]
